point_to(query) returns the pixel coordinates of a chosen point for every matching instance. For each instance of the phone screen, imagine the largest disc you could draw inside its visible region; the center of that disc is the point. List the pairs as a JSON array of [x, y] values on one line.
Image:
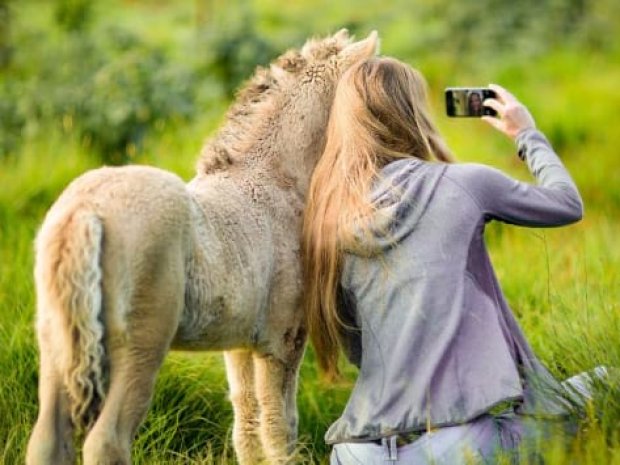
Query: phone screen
[[467, 101]]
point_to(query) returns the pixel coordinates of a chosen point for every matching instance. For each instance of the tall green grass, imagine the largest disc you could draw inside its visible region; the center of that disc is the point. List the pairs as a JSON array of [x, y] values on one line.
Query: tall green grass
[[563, 284]]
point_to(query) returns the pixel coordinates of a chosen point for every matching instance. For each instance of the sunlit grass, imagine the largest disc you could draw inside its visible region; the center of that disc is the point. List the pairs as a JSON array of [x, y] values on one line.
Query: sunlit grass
[[563, 284]]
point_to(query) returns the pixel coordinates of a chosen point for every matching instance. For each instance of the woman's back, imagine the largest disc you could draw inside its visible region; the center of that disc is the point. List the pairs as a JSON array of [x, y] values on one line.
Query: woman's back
[[399, 277], [439, 343]]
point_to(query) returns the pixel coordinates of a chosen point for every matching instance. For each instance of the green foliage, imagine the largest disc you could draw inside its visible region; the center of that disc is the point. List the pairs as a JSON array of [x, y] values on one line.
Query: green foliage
[[110, 90], [478, 32], [12, 120], [73, 15], [111, 86], [127, 96], [5, 44], [143, 83], [233, 51]]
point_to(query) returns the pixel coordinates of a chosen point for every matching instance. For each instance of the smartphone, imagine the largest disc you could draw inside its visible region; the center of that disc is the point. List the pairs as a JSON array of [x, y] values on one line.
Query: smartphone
[[467, 101]]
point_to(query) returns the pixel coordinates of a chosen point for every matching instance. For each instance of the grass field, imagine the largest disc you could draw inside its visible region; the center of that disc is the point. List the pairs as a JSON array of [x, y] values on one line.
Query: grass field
[[563, 284]]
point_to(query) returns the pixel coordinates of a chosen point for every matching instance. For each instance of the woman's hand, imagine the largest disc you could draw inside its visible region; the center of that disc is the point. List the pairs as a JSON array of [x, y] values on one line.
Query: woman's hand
[[513, 116]]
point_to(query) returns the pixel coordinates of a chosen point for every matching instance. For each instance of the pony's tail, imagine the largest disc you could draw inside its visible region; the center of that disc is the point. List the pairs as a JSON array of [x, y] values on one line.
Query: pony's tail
[[69, 286]]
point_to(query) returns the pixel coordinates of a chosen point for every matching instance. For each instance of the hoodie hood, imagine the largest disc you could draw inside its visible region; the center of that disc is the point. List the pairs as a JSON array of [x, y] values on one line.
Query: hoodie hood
[[401, 194]]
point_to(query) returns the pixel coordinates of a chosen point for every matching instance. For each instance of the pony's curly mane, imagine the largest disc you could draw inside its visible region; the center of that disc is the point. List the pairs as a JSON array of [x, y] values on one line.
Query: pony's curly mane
[[259, 99]]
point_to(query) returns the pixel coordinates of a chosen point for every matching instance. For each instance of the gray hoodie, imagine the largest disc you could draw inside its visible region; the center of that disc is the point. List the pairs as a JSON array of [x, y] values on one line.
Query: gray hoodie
[[431, 332]]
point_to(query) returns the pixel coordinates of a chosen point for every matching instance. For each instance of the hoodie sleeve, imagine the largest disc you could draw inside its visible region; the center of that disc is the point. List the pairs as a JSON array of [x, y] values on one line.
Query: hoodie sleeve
[[553, 201]]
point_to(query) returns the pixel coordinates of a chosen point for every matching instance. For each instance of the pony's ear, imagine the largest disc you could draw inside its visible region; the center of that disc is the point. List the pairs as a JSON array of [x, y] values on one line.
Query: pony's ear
[[342, 35], [360, 50]]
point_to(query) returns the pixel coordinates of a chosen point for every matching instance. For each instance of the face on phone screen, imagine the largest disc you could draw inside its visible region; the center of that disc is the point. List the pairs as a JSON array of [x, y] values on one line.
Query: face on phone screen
[[467, 101]]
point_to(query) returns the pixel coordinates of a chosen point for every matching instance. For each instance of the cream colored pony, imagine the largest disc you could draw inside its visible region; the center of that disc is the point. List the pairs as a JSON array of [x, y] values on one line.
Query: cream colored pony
[[131, 262]]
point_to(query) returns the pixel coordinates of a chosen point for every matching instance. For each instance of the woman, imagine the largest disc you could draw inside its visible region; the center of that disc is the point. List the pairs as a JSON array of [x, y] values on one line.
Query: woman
[[398, 276], [474, 102]]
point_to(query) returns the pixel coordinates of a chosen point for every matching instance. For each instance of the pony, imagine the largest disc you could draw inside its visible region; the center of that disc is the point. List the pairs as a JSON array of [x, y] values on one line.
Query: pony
[[132, 262]]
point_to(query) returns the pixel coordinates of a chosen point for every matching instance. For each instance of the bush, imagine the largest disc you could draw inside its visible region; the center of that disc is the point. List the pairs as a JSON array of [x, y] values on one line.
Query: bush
[[110, 91], [233, 52], [127, 96], [12, 120], [73, 15], [111, 87], [482, 31]]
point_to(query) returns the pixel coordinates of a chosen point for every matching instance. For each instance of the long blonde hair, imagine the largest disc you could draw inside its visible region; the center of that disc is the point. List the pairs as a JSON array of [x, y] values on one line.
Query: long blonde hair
[[379, 114]]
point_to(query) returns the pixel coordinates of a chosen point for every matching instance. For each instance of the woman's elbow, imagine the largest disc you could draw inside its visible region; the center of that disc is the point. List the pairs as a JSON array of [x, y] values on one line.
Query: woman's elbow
[[574, 210]]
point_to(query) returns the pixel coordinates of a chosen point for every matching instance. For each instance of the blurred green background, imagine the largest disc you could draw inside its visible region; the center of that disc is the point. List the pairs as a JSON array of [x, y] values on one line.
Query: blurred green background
[[85, 83]]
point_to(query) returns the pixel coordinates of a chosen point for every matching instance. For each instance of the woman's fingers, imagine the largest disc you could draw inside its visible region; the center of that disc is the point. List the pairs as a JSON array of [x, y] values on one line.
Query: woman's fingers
[[503, 94], [513, 117], [496, 123], [495, 105]]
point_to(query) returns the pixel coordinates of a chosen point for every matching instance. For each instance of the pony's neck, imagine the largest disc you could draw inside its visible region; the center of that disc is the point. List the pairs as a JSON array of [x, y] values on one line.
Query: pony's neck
[[296, 142], [282, 135]]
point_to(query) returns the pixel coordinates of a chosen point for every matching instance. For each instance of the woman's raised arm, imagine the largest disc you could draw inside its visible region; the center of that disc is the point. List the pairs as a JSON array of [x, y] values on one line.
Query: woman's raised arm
[[553, 201]]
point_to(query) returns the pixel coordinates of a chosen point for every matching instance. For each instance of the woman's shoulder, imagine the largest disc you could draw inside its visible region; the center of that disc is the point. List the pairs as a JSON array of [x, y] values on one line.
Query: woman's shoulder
[[473, 175], [469, 169], [411, 165], [481, 182], [475, 178]]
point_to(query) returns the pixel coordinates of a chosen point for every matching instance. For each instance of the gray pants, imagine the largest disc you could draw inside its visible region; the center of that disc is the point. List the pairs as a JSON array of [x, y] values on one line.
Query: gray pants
[[479, 441]]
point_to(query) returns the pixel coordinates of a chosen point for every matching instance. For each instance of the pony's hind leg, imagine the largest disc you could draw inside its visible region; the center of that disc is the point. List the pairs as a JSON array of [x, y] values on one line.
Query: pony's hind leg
[[240, 373], [51, 441], [133, 370], [270, 375], [135, 357]]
